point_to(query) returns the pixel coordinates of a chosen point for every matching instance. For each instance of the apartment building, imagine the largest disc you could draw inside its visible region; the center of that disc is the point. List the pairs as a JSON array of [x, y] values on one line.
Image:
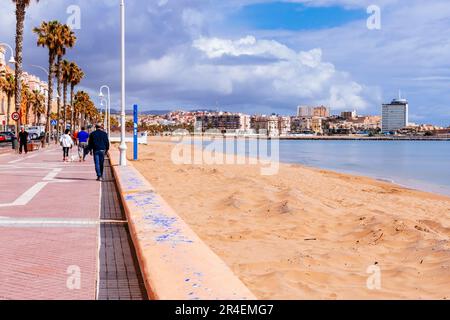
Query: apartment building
[[223, 121]]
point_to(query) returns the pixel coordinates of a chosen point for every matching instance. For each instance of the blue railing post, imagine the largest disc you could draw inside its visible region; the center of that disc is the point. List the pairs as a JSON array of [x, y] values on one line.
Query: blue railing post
[[135, 132]]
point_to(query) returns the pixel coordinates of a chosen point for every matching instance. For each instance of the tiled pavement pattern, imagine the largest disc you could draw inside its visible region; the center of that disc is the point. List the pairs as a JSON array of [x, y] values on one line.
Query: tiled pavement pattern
[[119, 276], [51, 233]]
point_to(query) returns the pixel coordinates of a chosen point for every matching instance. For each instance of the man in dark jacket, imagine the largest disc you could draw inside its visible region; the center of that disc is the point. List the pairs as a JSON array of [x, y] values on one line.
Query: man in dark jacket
[[23, 140], [99, 145]]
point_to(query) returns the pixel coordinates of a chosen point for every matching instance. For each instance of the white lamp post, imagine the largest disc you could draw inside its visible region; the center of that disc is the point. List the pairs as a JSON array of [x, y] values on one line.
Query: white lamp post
[[11, 60], [123, 145], [108, 119], [104, 110]]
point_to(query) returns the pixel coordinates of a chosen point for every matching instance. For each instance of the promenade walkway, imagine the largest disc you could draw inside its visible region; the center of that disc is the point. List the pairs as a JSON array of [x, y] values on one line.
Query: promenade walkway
[[63, 235]]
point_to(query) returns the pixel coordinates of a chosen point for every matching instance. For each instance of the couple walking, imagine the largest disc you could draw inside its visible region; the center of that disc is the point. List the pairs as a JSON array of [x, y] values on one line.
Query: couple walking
[[97, 143]]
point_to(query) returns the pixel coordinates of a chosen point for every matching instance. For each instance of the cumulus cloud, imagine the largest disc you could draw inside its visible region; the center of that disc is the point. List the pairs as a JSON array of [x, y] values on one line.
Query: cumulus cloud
[[263, 72]]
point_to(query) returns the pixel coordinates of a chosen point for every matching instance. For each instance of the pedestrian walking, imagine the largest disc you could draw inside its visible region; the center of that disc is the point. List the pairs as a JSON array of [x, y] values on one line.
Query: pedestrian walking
[[75, 137], [83, 138], [23, 140], [99, 145], [67, 144]]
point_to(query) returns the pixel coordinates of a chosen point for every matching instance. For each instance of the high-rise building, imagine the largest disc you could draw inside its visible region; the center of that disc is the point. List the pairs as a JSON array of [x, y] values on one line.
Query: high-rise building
[[395, 115]]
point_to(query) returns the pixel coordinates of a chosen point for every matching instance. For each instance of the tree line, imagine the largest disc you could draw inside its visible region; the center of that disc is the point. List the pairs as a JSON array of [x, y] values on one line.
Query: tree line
[[73, 107]]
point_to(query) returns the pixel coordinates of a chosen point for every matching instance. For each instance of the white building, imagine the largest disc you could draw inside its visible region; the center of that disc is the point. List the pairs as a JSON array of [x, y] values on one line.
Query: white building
[[395, 116]]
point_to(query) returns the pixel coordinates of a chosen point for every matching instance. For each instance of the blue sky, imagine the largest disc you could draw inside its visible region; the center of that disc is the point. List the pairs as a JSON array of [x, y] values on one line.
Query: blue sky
[[259, 56], [295, 16]]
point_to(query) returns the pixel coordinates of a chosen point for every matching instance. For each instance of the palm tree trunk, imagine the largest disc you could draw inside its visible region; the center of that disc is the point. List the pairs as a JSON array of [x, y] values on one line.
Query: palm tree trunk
[[72, 116], [36, 108], [27, 116], [8, 111], [20, 18], [51, 61], [65, 105], [58, 101]]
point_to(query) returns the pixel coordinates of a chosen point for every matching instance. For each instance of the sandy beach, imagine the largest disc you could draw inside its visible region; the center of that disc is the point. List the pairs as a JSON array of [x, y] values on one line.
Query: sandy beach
[[307, 233]]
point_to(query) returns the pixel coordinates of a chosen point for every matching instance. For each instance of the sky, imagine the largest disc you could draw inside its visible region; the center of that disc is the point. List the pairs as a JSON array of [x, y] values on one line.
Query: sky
[[257, 56]]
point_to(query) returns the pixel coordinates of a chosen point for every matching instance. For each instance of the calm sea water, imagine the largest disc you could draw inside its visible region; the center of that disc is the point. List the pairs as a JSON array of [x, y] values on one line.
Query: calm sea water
[[422, 165]]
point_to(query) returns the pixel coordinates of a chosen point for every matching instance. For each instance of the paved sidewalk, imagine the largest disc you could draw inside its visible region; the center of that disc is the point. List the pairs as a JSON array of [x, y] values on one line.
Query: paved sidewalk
[[54, 238]]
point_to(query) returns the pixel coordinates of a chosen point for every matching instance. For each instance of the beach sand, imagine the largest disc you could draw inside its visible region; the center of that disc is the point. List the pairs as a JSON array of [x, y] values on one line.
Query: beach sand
[[306, 233]]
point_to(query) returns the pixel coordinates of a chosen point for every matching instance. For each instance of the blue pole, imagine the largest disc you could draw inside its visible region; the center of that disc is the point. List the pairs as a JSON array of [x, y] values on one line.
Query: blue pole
[[135, 132]]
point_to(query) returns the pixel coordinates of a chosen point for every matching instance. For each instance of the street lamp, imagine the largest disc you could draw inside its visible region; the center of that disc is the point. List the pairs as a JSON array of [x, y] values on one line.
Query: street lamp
[[123, 145], [104, 107], [108, 121], [11, 60]]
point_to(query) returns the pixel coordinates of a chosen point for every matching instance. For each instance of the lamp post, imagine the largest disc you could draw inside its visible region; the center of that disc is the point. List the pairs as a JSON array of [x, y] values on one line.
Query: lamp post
[[123, 145], [108, 119], [104, 111], [11, 60]]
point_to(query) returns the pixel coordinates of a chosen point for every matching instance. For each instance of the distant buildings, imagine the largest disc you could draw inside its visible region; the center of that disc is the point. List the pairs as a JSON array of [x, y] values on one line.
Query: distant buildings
[[33, 83], [301, 125], [272, 126], [349, 115], [222, 121], [309, 112], [309, 121], [395, 115]]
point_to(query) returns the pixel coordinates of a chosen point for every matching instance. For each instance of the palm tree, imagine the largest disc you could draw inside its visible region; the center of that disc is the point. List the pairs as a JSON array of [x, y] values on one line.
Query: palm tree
[[85, 108], [80, 106], [8, 86], [47, 37], [72, 74], [76, 76], [38, 105], [56, 37], [21, 6], [66, 39], [65, 77]]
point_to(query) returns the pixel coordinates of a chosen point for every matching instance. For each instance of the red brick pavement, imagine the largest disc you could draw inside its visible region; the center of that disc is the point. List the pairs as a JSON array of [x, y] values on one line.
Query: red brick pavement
[[52, 231]]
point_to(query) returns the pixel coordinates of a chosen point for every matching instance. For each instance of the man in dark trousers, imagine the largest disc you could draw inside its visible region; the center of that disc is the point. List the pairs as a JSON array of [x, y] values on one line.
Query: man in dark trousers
[[99, 145], [23, 140]]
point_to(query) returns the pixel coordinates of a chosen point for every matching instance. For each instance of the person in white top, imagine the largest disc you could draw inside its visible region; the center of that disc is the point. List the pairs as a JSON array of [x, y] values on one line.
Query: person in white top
[[67, 144]]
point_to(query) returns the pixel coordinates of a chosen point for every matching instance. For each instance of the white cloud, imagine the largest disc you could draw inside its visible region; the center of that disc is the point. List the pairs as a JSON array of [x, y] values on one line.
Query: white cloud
[[252, 71]]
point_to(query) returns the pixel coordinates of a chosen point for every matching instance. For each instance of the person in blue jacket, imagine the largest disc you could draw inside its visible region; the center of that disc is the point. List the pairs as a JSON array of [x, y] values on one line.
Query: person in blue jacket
[[99, 145]]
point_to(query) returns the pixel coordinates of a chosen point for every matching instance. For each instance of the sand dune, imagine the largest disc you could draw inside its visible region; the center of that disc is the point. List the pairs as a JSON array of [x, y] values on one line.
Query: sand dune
[[310, 234]]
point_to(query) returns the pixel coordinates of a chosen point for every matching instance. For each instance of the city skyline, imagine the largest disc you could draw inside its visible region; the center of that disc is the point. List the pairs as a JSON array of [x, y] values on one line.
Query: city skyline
[[336, 62]]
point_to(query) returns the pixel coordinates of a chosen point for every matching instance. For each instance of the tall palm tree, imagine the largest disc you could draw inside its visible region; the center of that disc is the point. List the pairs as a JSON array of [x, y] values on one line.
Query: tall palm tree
[[48, 34], [67, 39], [80, 105], [21, 6], [76, 76], [65, 78]]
